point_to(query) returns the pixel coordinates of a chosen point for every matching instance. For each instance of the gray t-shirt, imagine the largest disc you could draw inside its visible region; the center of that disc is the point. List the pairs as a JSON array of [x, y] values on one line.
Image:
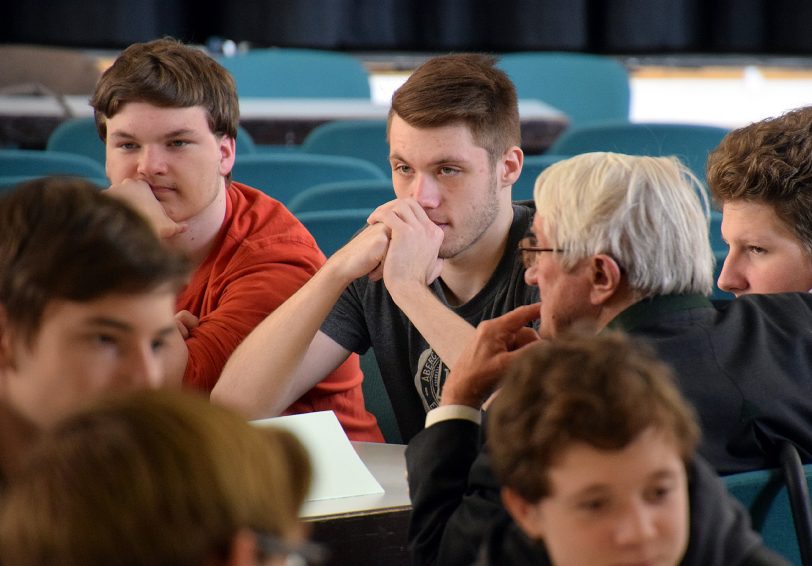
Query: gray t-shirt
[[366, 316]]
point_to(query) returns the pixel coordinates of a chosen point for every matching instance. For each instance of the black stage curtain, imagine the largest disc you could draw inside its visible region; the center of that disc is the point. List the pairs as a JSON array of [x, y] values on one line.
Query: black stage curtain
[[599, 26]]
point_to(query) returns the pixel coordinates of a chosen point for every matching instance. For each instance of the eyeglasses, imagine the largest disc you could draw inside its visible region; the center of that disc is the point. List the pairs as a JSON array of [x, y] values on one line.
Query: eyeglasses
[[304, 554], [530, 252]]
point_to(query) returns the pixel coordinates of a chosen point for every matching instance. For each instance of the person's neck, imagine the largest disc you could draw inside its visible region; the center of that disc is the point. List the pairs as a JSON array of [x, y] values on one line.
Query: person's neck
[[202, 231], [621, 300], [467, 273]]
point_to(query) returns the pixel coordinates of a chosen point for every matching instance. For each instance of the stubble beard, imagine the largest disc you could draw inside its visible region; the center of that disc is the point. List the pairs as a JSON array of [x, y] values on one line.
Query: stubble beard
[[484, 216]]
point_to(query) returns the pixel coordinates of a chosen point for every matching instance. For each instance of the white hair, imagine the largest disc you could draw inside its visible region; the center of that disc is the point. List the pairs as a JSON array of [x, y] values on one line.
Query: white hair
[[650, 214]]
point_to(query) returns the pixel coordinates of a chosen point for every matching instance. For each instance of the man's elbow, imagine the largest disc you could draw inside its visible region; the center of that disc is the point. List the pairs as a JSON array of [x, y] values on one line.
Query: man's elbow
[[231, 392]]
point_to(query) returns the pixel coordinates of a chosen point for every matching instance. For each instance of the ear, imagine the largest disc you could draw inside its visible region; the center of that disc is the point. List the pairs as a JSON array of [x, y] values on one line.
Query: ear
[[511, 166], [605, 278], [228, 148], [243, 550], [529, 516]]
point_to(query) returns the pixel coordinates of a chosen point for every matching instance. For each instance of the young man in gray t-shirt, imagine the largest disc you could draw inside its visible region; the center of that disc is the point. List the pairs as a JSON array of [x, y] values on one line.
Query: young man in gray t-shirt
[[432, 263]]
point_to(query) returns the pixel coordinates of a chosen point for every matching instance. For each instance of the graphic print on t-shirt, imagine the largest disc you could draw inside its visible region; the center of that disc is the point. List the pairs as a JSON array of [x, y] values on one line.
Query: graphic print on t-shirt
[[431, 374]]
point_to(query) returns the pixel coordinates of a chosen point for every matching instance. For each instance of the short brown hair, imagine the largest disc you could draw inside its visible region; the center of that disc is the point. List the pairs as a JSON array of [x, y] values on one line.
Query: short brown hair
[[462, 88], [169, 74], [62, 238], [154, 477], [769, 162], [600, 390]]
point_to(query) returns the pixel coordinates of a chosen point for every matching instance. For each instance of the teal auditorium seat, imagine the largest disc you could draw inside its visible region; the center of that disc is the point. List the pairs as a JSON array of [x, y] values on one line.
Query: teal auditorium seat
[[717, 243], [531, 169], [284, 175], [79, 136], [9, 182], [764, 493], [587, 88], [377, 399], [39, 163], [368, 193], [334, 228], [298, 73], [690, 142], [365, 139], [245, 143]]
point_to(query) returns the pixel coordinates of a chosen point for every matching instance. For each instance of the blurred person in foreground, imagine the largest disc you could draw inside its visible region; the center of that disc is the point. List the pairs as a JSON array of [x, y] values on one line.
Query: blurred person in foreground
[[159, 478], [594, 448], [87, 297]]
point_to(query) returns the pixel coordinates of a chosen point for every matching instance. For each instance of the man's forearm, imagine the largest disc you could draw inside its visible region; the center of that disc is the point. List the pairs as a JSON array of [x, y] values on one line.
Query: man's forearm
[[279, 360], [446, 332], [258, 377]]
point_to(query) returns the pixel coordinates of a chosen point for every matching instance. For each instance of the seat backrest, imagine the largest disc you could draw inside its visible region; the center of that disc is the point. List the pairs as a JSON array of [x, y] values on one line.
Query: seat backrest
[[38, 163], [531, 168], [690, 142], [79, 135], [245, 143], [298, 73], [285, 175], [587, 88], [365, 139], [9, 182], [334, 228], [764, 494], [369, 193], [377, 400]]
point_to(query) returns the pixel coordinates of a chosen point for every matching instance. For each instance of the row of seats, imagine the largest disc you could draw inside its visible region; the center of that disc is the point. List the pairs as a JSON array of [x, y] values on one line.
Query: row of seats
[[690, 142], [354, 154], [363, 152], [586, 87], [19, 165], [366, 139]]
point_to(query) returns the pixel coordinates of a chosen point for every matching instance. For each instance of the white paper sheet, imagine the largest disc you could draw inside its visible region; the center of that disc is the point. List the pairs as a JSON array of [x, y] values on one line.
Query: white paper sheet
[[337, 469]]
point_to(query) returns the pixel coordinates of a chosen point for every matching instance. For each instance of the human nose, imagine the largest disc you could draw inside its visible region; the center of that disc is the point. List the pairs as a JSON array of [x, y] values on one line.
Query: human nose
[[151, 161], [426, 191], [145, 368], [636, 525], [732, 278]]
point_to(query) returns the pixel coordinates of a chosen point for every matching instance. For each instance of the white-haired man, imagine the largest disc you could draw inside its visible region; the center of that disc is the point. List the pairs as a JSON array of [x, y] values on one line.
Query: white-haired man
[[621, 242]]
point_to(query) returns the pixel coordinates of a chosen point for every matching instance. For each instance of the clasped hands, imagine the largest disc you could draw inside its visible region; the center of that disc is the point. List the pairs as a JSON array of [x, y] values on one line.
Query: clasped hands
[[400, 244]]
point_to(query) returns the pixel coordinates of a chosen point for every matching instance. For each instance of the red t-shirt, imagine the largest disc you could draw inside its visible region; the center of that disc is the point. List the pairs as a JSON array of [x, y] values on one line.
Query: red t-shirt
[[262, 256]]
